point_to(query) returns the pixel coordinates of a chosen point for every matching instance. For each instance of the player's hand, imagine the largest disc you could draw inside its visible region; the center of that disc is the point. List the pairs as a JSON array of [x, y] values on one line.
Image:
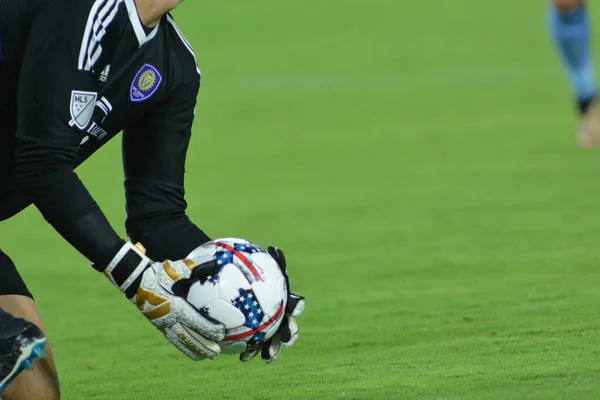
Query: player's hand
[[183, 326], [159, 299], [288, 331]]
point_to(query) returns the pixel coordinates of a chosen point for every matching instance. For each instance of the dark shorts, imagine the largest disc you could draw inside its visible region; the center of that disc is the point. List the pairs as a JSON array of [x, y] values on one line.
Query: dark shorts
[[11, 202], [13, 35], [10, 280]]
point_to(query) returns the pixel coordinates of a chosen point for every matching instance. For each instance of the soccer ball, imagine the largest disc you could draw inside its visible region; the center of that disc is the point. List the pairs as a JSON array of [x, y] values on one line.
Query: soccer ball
[[248, 294]]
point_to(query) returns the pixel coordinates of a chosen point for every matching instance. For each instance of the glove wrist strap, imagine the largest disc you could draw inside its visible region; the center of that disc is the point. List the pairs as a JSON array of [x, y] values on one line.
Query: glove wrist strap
[[126, 266]]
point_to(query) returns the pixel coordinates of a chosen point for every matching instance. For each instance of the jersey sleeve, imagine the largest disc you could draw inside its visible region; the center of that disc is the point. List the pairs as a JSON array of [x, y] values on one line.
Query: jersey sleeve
[[55, 103], [154, 152]]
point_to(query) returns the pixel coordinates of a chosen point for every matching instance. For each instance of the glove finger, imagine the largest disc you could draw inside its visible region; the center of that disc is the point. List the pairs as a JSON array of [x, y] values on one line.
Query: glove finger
[[271, 349], [289, 331], [185, 273], [284, 329], [249, 354], [201, 324], [191, 343], [173, 277], [204, 270], [295, 305], [189, 269], [278, 255], [177, 270]]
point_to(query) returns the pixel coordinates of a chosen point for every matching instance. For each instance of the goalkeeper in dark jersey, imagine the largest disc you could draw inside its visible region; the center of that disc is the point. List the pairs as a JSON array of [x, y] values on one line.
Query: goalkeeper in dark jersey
[[74, 73]]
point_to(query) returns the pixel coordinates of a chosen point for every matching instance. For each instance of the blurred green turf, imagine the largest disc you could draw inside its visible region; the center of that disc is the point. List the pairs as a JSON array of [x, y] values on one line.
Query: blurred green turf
[[417, 163]]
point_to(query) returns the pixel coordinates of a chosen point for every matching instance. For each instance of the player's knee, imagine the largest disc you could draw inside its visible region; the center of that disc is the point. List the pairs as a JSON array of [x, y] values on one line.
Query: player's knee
[[49, 380], [33, 394], [567, 5], [52, 392], [41, 383]]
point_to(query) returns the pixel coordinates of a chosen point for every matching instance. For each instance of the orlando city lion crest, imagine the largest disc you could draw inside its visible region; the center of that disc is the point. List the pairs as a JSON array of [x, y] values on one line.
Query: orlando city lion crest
[[145, 83]]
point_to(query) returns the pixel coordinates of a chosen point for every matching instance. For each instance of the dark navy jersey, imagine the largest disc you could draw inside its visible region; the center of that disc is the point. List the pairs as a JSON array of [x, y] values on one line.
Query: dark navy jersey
[[75, 73]]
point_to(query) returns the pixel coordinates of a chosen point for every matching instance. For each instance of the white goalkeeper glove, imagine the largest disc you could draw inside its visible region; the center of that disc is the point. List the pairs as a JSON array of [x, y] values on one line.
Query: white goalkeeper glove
[[288, 331], [157, 298]]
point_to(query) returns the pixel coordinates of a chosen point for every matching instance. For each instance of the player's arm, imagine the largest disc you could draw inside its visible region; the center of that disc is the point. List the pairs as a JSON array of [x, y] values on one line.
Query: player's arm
[[55, 87], [154, 159], [154, 155], [55, 94]]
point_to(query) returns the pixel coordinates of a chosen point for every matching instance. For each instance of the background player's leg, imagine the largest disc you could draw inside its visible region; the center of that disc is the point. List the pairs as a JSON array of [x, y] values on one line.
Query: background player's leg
[[570, 29], [41, 382]]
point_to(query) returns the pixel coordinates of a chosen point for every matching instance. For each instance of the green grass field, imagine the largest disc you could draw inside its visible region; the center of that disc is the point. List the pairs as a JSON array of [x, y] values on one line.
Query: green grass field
[[417, 163]]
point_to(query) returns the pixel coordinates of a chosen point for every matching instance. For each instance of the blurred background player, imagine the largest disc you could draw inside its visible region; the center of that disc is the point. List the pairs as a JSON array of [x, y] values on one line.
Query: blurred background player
[[570, 29]]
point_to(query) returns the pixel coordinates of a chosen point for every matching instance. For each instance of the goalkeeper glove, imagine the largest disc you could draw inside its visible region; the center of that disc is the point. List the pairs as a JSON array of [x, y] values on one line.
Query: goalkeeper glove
[[288, 331], [152, 287]]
